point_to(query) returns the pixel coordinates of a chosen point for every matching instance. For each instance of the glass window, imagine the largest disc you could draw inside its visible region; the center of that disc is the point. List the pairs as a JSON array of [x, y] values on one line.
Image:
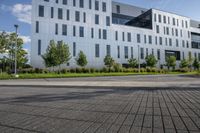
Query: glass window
[[131, 52], [118, 9], [64, 2], [157, 29], [150, 39], [104, 34], [99, 33], [129, 37], [41, 11], [92, 32], [97, 5], [123, 36], [74, 30], [84, 17], [74, 3], [155, 17], [74, 49], [37, 27], [68, 15], [116, 35], [96, 19], [81, 31], [138, 38], [159, 18], [77, 16], [64, 29], [52, 12], [56, 29], [39, 47], [170, 42], [90, 4], [60, 13], [160, 40], [118, 51], [107, 21], [126, 52], [142, 53], [108, 52], [81, 2], [97, 51], [158, 54], [104, 8]]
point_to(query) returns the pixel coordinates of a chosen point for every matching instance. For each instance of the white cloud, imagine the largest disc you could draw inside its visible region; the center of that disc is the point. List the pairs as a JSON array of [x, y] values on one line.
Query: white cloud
[[26, 39], [22, 12]]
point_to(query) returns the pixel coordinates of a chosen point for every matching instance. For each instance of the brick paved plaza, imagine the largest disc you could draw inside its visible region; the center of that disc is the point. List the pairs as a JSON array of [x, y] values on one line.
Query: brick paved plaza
[[99, 110]]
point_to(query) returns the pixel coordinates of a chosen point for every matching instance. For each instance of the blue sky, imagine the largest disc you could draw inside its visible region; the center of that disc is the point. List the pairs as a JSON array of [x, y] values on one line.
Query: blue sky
[[19, 12]]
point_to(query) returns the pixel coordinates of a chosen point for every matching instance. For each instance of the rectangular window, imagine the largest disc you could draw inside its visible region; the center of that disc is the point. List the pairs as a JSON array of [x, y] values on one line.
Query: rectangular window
[[138, 38], [156, 40], [90, 4], [74, 49], [84, 17], [155, 17], [186, 24], [145, 39], [108, 52], [52, 12], [174, 21], [131, 52], [60, 13], [116, 35], [150, 39], [129, 37], [81, 3], [123, 36], [142, 53], [177, 43], [97, 51], [157, 29], [160, 40], [77, 16], [164, 19], [126, 52], [74, 3], [39, 47], [37, 27], [167, 29], [118, 9], [68, 15], [166, 41], [64, 2], [147, 52], [104, 8], [105, 34], [170, 42], [92, 32], [99, 33], [41, 11], [118, 51], [159, 18], [107, 21], [176, 32], [96, 19], [97, 5], [158, 54], [56, 29], [64, 29], [81, 31], [74, 30]]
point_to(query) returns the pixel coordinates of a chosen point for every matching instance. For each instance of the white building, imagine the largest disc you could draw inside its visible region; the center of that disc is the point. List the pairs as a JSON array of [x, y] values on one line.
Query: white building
[[103, 27]]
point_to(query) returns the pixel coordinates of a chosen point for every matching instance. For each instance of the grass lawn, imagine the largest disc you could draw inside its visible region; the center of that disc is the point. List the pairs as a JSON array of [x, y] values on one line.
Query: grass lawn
[[71, 75]]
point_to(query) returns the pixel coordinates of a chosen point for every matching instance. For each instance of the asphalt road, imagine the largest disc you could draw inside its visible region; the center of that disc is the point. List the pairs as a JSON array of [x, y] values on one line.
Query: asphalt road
[[100, 110]]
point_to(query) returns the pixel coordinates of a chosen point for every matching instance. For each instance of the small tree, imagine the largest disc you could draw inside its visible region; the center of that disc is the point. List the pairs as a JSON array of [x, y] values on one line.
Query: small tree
[[196, 64], [184, 63], [109, 62], [81, 59], [171, 61], [132, 62], [63, 53], [151, 60], [50, 57]]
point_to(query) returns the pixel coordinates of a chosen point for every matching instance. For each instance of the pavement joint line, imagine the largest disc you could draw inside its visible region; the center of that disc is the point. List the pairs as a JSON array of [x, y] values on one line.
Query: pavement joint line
[[4, 125]]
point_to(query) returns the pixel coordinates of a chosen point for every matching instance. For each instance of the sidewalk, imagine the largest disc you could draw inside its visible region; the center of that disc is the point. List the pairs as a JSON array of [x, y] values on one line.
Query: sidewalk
[[128, 81]]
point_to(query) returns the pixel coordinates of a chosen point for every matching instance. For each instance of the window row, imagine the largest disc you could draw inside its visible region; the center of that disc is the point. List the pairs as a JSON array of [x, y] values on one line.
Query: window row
[[77, 15], [91, 4], [168, 20], [174, 31]]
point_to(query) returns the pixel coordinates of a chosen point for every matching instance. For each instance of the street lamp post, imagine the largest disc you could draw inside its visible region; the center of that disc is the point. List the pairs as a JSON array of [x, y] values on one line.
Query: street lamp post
[[16, 27], [139, 58]]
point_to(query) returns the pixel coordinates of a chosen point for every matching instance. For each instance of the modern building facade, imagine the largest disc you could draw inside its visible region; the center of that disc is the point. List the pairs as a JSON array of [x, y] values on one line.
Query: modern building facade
[[104, 27]]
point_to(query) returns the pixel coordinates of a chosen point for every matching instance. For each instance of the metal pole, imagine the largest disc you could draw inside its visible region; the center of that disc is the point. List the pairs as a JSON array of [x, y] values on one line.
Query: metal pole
[[139, 58], [16, 26]]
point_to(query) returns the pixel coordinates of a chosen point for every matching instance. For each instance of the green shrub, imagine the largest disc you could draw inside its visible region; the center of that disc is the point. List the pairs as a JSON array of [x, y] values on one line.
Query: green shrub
[[73, 70], [64, 71], [105, 70], [117, 67], [92, 70]]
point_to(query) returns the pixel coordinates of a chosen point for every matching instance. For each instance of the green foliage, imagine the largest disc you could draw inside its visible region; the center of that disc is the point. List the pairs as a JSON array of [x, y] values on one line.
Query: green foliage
[[196, 64], [184, 63], [117, 67], [132, 62], [151, 60], [56, 54], [81, 60], [171, 61], [4, 41], [63, 53], [109, 61]]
